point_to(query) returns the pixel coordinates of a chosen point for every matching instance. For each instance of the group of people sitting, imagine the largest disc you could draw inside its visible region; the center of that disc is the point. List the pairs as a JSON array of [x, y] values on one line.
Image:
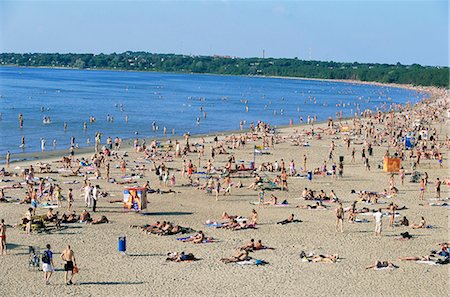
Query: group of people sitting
[[309, 194]]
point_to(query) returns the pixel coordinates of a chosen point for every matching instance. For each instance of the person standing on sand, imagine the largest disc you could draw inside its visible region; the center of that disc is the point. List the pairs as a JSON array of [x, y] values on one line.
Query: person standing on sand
[[69, 200], [29, 219], [392, 210], [47, 264], [437, 185], [95, 195], [3, 247], [340, 218], [8, 159], [68, 257], [422, 189], [87, 195], [378, 222]]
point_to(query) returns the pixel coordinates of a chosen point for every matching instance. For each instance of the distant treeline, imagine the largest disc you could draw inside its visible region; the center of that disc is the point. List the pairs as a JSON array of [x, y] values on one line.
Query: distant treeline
[[141, 61]]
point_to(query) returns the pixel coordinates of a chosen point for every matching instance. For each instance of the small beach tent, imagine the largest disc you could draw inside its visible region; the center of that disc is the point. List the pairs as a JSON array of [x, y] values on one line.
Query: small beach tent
[[391, 164], [134, 199]]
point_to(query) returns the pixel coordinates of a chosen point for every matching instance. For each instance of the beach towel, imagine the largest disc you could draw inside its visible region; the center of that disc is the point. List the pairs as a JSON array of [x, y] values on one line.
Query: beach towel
[[252, 262], [214, 224], [361, 221], [426, 262]]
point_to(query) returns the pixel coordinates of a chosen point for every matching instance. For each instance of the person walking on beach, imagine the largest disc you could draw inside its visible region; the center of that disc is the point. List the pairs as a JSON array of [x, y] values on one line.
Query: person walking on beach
[[68, 256], [378, 222], [47, 264], [340, 218], [2, 237]]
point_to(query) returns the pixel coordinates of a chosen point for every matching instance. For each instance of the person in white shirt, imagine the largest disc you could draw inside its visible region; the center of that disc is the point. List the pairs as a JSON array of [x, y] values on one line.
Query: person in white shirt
[[87, 195], [378, 222]]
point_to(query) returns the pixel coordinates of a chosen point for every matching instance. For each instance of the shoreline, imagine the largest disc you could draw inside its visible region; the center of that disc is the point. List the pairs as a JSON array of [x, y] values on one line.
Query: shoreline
[[37, 155]]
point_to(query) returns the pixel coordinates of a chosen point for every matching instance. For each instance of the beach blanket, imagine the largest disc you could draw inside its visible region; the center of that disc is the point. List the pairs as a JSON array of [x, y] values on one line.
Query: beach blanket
[[361, 221], [214, 224], [444, 204], [426, 262]]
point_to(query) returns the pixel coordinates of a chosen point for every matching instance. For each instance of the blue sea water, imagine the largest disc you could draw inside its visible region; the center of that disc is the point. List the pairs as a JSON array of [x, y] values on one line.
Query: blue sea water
[[171, 100]]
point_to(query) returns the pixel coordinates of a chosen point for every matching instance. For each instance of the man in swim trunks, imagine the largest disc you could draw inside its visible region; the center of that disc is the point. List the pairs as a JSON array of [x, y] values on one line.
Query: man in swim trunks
[[68, 256], [2, 237]]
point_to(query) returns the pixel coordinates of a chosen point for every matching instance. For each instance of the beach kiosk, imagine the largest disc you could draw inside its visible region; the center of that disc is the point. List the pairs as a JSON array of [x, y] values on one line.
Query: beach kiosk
[[134, 199], [391, 164]]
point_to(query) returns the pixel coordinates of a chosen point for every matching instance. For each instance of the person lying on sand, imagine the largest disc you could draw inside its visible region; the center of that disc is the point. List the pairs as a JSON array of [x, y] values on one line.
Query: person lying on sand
[[420, 258], [273, 200], [318, 205], [101, 220], [197, 238], [242, 226], [290, 219], [319, 258], [226, 216], [240, 255], [382, 264], [422, 224], [180, 257]]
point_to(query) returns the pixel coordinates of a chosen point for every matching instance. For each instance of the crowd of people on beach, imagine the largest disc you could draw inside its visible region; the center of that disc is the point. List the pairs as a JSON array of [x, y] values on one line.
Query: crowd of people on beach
[[394, 129]]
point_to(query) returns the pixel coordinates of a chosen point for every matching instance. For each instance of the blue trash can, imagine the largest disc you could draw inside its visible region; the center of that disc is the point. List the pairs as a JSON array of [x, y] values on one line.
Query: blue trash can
[[122, 244], [309, 175]]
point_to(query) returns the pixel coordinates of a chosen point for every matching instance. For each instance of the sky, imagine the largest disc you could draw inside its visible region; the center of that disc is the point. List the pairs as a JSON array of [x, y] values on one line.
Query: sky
[[381, 31]]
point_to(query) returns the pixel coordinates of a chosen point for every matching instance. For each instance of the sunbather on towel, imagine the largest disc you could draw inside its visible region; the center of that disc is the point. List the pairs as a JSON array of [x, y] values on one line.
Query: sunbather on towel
[[318, 205], [240, 255], [382, 264], [180, 257]]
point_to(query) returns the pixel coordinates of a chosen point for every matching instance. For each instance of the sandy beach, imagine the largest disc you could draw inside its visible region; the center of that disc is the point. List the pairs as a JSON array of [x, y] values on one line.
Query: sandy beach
[[103, 271]]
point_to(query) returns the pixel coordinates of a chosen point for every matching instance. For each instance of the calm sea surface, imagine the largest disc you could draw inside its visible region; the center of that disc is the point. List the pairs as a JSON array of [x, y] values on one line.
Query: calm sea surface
[[170, 100]]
